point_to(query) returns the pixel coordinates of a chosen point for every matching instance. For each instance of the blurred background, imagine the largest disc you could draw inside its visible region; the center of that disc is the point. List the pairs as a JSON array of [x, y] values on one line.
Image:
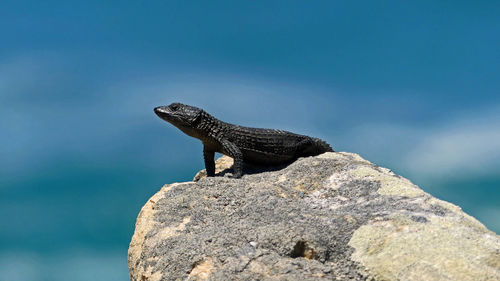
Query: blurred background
[[410, 86]]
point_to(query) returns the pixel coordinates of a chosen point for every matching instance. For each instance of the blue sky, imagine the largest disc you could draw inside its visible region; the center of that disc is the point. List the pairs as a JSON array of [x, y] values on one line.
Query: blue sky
[[410, 86]]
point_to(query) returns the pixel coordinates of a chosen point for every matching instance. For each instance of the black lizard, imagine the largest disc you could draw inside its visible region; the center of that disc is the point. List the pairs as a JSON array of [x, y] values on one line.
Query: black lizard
[[243, 144]]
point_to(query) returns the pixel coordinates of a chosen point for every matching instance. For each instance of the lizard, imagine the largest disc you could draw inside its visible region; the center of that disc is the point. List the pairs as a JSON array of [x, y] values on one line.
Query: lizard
[[258, 146]]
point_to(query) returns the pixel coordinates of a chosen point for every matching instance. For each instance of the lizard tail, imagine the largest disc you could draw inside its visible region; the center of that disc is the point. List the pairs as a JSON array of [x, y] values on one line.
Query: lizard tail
[[321, 146], [314, 146]]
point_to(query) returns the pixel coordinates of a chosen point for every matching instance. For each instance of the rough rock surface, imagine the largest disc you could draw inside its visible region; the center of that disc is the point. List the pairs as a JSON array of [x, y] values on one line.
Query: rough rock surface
[[335, 216]]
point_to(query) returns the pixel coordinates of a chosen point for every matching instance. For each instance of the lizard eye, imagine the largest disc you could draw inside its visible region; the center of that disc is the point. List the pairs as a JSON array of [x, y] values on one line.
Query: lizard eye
[[174, 107]]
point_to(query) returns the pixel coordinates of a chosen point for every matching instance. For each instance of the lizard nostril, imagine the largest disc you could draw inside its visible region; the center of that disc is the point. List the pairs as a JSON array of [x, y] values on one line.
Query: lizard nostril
[[159, 110]]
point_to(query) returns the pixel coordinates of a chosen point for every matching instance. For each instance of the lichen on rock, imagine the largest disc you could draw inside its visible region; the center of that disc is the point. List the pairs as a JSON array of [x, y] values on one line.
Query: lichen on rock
[[335, 216]]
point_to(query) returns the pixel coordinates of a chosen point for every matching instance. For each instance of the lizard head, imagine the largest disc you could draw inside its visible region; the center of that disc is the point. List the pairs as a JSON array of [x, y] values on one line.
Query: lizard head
[[179, 115]]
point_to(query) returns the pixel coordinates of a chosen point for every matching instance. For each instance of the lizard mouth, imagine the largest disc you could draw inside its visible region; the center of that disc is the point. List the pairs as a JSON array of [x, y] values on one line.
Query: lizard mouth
[[163, 112]]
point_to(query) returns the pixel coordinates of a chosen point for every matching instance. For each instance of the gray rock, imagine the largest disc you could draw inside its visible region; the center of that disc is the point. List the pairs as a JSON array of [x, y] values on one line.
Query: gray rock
[[335, 216]]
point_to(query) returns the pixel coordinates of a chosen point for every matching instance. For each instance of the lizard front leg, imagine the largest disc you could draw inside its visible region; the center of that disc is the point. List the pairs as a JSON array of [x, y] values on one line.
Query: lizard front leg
[[208, 156], [233, 151]]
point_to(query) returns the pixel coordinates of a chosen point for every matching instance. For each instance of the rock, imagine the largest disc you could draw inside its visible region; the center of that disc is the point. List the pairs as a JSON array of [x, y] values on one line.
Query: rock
[[335, 216]]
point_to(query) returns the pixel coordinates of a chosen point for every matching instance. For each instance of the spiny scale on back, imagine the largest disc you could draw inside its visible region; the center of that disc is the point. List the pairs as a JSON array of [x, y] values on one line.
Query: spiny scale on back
[[243, 144]]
